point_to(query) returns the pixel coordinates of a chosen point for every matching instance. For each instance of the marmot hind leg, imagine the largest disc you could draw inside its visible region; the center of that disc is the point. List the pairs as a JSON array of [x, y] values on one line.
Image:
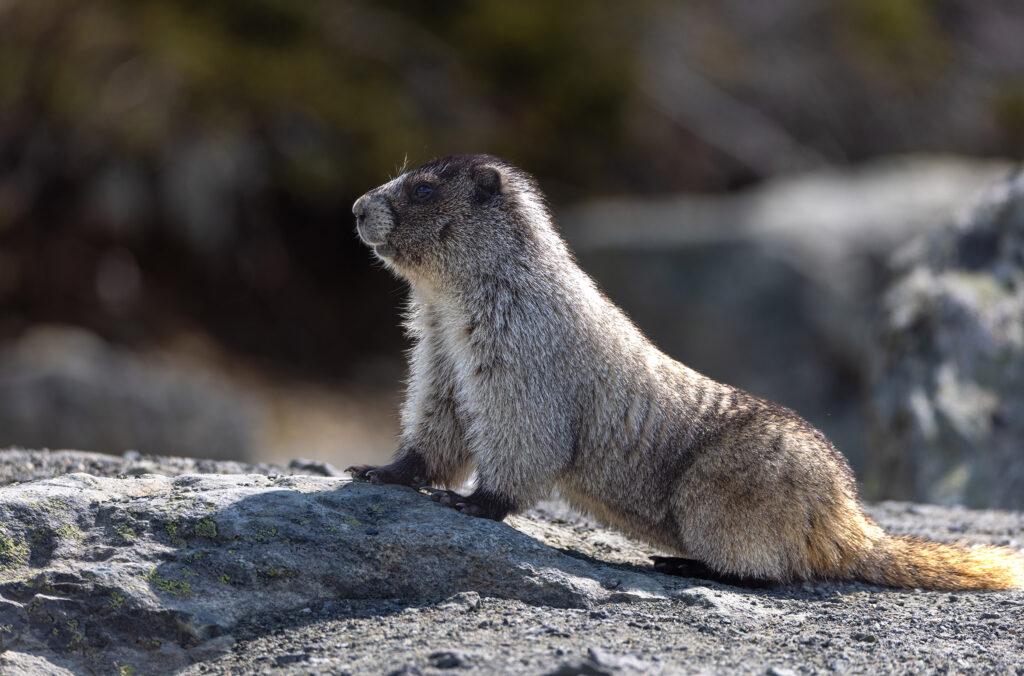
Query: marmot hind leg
[[673, 565]]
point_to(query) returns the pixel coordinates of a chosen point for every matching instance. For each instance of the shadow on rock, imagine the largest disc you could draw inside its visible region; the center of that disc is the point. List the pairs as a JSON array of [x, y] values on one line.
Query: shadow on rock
[[158, 571]]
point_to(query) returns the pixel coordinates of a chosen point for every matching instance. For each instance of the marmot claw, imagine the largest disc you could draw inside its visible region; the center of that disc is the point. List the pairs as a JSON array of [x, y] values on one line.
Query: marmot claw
[[360, 472], [383, 475]]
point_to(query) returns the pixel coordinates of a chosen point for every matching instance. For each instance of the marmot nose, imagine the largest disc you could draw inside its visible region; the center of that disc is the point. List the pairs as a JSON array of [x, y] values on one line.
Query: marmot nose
[[359, 209]]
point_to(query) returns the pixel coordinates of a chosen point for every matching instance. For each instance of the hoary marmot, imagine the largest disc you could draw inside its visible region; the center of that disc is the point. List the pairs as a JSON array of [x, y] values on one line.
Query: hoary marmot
[[523, 370]]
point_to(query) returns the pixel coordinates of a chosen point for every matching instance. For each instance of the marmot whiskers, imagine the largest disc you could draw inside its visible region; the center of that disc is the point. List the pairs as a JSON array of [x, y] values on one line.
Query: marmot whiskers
[[524, 371]]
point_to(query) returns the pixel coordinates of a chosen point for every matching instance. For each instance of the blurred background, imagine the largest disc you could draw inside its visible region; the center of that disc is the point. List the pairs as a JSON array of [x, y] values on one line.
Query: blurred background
[[179, 272]]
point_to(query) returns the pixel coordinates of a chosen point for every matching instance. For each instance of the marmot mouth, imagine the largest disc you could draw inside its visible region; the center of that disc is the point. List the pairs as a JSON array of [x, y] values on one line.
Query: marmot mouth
[[383, 249], [361, 230]]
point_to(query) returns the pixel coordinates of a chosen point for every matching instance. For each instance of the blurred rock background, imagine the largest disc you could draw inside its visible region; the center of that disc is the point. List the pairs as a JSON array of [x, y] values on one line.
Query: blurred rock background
[[947, 403], [179, 273]]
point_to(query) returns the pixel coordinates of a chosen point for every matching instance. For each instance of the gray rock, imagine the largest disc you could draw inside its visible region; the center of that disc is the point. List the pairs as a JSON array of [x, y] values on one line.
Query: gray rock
[[780, 671], [600, 662], [18, 465], [948, 397], [464, 601], [88, 565], [66, 388], [449, 659], [247, 574], [14, 663]]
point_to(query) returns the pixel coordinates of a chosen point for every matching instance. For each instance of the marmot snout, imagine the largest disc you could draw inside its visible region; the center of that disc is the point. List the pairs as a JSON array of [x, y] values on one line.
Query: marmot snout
[[374, 219]]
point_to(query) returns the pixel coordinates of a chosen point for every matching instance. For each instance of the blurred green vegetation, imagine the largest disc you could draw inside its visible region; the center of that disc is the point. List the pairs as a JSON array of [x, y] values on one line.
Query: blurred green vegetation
[[341, 90], [1009, 107], [208, 151], [897, 40]]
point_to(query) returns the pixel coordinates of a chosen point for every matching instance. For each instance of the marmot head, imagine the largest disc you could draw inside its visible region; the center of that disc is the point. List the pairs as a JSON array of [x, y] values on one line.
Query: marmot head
[[461, 213]]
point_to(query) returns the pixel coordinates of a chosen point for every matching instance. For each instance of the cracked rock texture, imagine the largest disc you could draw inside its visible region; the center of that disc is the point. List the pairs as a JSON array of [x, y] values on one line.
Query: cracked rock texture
[[948, 398], [257, 573]]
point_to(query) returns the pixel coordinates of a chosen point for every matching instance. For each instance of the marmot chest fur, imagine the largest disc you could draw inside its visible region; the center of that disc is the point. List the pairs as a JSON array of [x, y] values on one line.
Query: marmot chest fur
[[524, 371]]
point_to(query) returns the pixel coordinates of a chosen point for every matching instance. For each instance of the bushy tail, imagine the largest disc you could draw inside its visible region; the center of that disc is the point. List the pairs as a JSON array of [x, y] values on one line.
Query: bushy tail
[[903, 561]]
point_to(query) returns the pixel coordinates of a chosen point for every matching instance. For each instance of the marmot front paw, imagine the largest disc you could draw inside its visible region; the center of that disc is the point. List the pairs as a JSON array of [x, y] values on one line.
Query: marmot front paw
[[481, 503], [388, 474]]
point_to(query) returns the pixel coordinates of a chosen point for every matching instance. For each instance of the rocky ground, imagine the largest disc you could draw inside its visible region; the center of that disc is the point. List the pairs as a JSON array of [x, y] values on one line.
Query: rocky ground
[[255, 571]]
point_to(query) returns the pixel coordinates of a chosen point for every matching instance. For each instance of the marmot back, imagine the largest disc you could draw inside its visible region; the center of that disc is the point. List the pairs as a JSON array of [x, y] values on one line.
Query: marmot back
[[524, 371]]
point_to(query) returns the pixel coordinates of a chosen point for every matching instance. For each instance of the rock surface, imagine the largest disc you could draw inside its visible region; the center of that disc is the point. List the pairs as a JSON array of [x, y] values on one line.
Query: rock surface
[[18, 465], [300, 574], [948, 402]]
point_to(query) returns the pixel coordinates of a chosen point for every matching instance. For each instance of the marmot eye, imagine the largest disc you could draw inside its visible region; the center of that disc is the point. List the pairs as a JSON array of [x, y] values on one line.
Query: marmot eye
[[422, 192]]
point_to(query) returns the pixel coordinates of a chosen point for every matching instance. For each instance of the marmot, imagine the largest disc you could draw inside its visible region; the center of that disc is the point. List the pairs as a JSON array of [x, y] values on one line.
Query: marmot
[[522, 369]]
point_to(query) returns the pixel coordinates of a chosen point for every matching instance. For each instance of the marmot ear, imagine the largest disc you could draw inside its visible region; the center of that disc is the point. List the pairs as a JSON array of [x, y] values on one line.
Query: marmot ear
[[486, 183]]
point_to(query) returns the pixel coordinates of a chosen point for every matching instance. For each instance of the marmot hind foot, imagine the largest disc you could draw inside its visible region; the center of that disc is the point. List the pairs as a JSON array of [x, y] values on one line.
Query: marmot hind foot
[[672, 565]]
